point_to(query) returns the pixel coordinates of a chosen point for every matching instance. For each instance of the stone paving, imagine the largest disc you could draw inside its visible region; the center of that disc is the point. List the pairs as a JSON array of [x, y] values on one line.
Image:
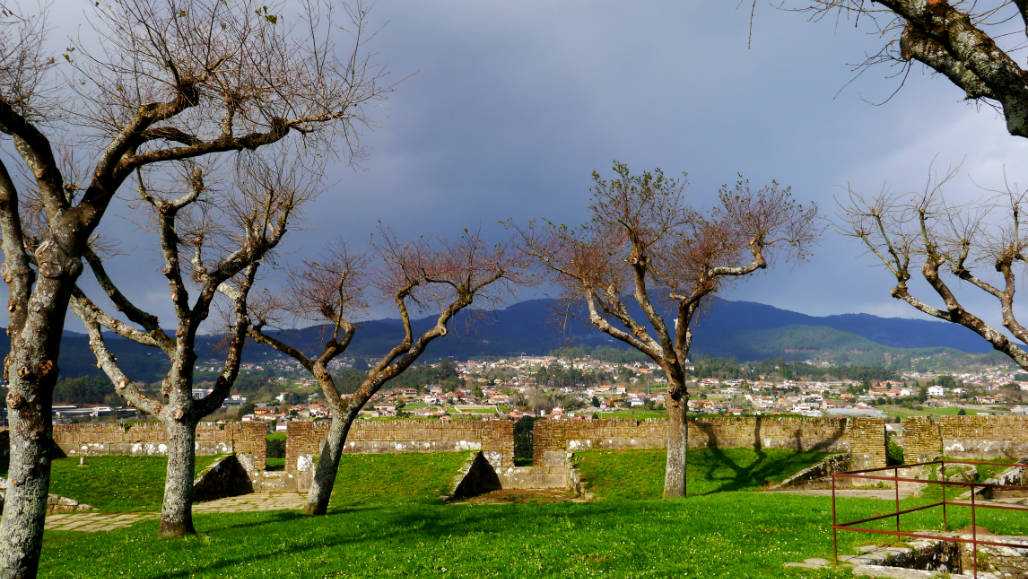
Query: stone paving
[[95, 522], [877, 561]]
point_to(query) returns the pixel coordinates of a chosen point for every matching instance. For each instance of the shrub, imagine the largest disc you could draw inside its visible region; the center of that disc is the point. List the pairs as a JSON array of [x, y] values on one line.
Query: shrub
[[893, 451], [277, 445]]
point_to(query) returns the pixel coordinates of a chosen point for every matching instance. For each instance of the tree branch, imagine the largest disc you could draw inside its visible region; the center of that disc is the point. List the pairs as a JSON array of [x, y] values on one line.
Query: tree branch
[[16, 270], [148, 321], [605, 326], [35, 149], [106, 361], [642, 297], [230, 369]]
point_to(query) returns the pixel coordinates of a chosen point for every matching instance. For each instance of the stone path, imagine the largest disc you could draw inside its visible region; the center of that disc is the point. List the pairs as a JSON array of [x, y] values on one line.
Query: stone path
[[95, 522], [253, 502]]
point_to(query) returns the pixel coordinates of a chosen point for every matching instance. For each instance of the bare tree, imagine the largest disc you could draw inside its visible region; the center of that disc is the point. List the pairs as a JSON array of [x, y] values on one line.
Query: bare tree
[[971, 43], [261, 211], [165, 81], [447, 278], [981, 248], [646, 245]]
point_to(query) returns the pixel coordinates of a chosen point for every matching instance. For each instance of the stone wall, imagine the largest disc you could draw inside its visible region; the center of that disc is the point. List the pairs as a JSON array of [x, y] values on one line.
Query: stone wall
[[246, 439], [866, 438], [495, 438], [921, 439], [925, 438], [862, 437]]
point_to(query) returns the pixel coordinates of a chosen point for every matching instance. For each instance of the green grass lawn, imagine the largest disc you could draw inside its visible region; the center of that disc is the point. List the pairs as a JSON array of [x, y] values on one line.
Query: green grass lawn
[[115, 484], [634, 414], [640, 474], [894, 411], [366, 480], [385, 520]]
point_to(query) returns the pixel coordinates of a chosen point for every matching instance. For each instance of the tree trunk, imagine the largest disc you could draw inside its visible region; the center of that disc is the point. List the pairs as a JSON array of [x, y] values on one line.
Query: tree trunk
[[177, 510], [328, 464], [28, 475], [677, 443], [32, 372]]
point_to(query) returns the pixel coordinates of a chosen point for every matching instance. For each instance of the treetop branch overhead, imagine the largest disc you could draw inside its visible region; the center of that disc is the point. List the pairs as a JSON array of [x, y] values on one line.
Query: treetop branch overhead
[[975, 45]]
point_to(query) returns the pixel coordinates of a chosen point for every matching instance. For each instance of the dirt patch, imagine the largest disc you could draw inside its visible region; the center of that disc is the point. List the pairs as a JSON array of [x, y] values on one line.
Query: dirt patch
[[522, 497]]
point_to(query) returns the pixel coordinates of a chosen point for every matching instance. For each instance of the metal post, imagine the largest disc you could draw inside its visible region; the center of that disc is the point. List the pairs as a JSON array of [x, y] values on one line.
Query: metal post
[[974, 536], [835, 532], [945, 479], [896, 483]]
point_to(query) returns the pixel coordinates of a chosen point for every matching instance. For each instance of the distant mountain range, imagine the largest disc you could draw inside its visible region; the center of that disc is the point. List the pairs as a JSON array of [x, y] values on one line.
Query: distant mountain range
[[737, 329]]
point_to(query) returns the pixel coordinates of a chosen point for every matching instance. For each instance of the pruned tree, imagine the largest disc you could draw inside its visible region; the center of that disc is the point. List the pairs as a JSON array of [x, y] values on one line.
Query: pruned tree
[[957, 249], [194, 252], [646, 256], [166, 81], [446, 278], [971, 43]]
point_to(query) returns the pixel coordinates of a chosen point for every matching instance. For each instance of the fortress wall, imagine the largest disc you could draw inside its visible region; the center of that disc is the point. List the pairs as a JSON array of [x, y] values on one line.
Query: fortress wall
[[863, 437], [495, 438], [965, 437], [150, 438], [923, 438]]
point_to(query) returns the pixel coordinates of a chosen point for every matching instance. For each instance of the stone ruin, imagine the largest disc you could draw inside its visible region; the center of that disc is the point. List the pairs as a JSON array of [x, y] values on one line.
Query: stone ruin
[[860, 442]]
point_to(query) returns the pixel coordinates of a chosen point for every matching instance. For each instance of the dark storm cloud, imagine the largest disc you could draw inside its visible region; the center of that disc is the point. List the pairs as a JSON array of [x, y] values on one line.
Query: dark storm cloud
[[504, 109]]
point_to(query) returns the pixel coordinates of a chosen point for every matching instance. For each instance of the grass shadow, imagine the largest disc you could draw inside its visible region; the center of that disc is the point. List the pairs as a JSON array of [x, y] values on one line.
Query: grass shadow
[[766, 467], [402, 525]]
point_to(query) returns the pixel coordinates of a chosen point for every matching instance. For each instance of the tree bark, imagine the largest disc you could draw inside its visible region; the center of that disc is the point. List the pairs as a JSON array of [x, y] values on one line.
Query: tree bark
[[32, 373], [21, 529], [177, 510], [328, 464], [677, 443]]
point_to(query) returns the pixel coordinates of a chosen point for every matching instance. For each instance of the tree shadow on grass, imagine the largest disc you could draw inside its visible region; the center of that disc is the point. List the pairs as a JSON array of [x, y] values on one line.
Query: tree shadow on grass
[[271, 518], [397, 525], [765, 469]]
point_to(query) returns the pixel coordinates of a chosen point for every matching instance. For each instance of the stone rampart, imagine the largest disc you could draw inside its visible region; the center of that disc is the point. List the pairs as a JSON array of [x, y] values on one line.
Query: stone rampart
[[246, 439], [861, 437], [495, 438], [925, 438], [921, 439]]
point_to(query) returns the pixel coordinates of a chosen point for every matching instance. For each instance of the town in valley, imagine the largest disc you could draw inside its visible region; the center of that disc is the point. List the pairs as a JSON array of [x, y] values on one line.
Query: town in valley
[[584, 387]]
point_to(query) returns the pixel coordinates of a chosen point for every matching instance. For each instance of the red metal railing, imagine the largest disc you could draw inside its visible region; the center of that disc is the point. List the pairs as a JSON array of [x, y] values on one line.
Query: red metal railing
[[896, 479]]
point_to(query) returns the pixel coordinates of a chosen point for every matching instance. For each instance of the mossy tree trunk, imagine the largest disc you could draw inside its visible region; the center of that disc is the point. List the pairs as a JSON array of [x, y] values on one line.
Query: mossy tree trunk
[[328, 464], [37, 311], [677, 445], [177, 508]]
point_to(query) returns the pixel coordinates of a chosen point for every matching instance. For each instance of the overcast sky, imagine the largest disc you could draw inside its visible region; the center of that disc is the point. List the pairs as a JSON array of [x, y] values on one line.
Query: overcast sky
[[506, 108]]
